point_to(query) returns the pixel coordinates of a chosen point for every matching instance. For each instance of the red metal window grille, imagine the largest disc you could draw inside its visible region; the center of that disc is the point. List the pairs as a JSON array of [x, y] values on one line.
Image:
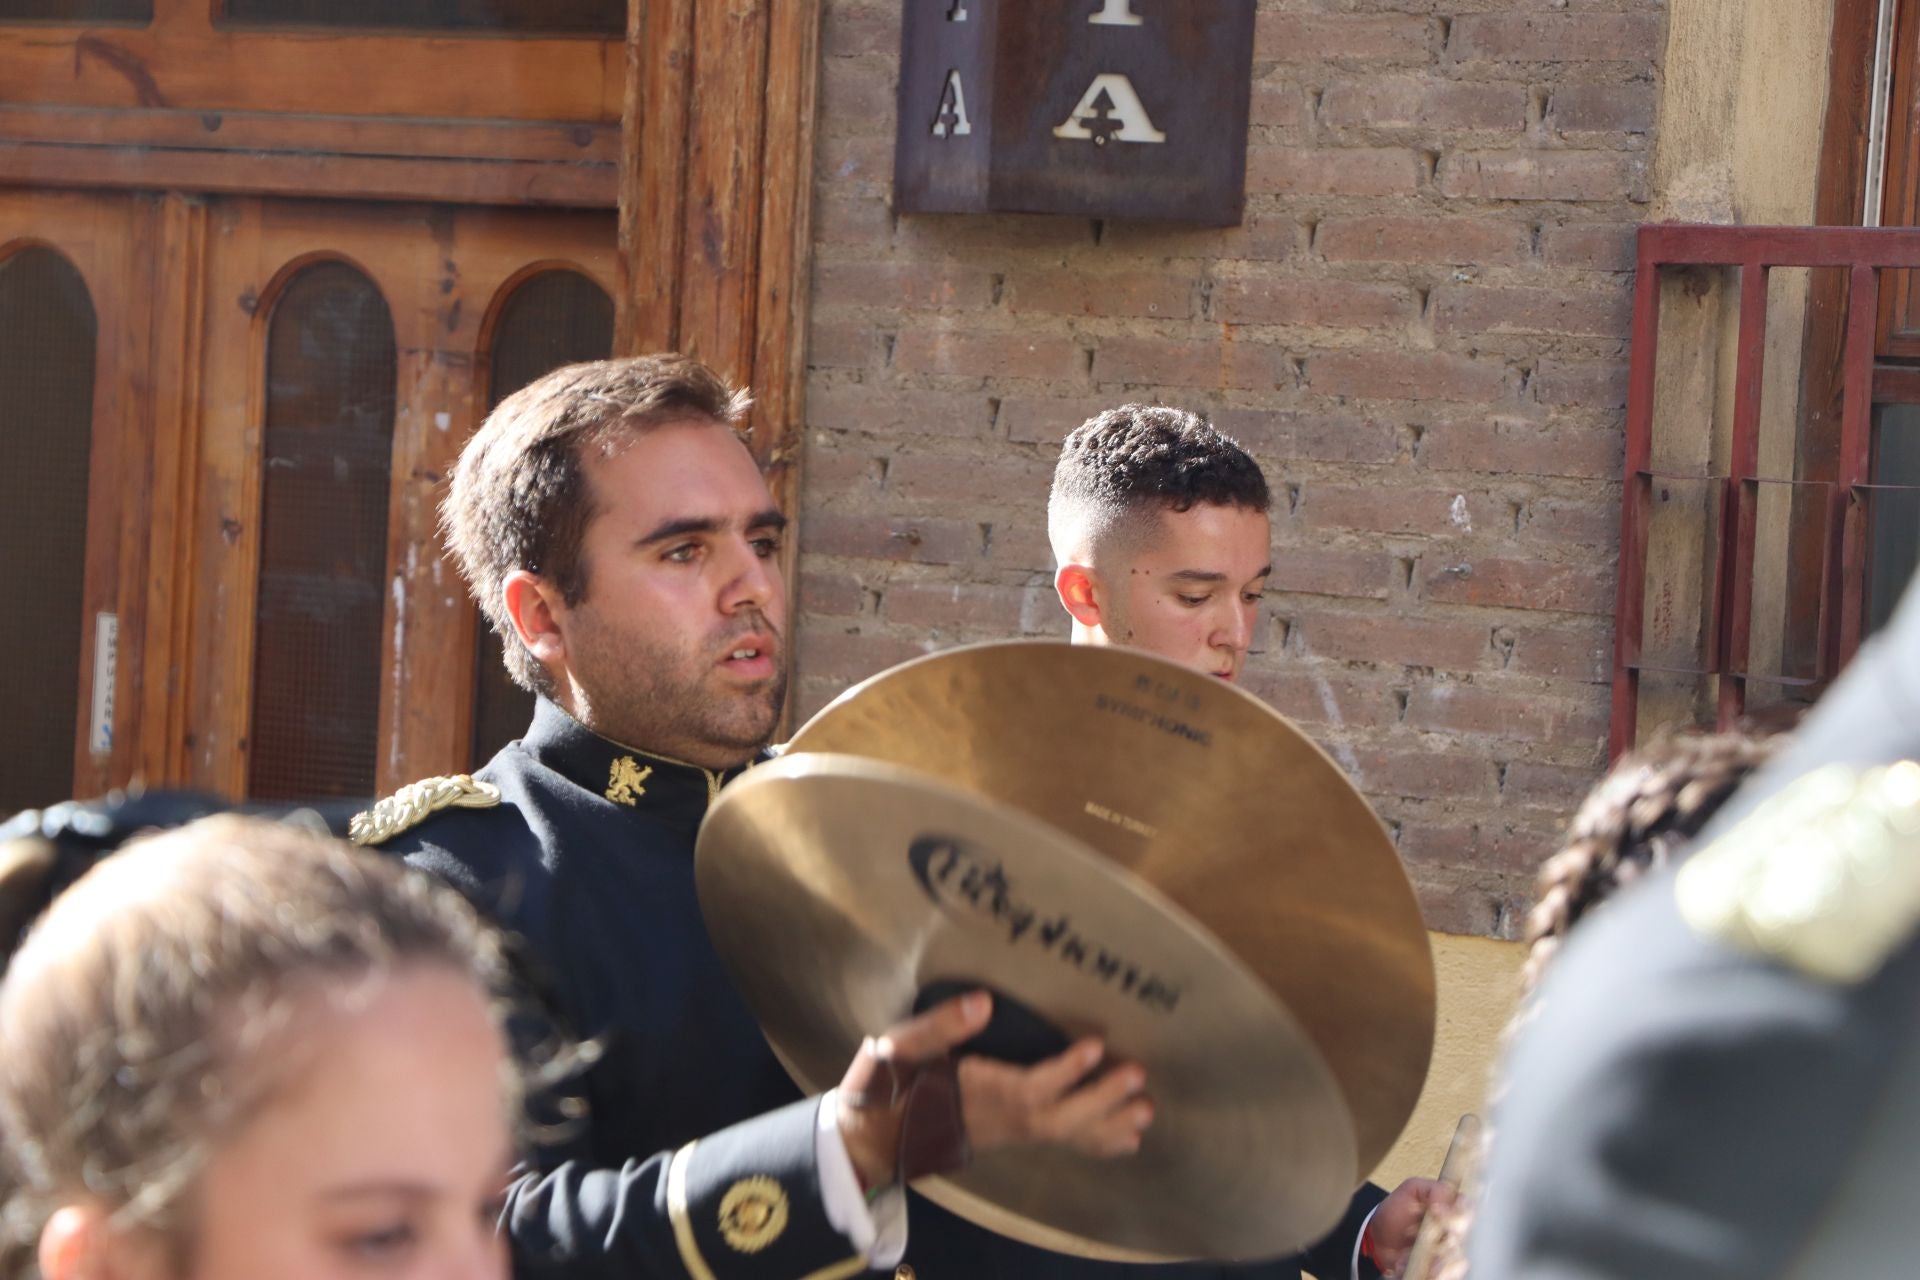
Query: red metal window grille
[[1843, 556]]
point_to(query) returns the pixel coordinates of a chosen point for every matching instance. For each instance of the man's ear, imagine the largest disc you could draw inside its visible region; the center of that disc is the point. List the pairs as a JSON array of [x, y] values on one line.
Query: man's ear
[[537, 610], [1073, 583]]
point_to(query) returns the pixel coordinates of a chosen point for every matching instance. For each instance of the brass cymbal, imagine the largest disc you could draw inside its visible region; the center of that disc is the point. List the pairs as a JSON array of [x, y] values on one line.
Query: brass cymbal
[[837, 888], [1212, 798]]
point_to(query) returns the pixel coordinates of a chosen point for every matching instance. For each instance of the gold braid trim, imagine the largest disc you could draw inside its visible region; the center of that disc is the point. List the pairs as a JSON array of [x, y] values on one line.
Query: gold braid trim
[[683, 1236], [416, 802]]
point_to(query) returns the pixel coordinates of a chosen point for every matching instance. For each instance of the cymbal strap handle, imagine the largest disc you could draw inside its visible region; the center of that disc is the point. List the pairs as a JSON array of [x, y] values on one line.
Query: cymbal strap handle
[[932, 1128], [933, 1131]]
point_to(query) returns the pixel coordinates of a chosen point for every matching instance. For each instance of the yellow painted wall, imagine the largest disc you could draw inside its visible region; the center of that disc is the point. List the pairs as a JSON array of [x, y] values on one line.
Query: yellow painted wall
[[1478, 979]]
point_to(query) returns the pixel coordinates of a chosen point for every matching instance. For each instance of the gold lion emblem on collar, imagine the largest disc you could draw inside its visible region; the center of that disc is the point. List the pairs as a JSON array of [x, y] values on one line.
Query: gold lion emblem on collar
[[753, 1213], [627, 781]]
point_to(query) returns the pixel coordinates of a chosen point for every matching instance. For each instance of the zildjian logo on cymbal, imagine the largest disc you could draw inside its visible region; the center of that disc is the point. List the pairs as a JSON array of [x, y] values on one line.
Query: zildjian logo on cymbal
[[957, 879]]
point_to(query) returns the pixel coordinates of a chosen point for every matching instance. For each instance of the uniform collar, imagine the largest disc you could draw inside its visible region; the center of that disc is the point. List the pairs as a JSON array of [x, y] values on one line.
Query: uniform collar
[[625, 776]]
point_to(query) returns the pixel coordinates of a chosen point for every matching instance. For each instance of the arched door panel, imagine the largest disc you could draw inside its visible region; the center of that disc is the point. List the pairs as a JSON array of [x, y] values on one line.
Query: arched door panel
[[327, 443], [73, 319], [553, 316], [437, 271], [48, 334]]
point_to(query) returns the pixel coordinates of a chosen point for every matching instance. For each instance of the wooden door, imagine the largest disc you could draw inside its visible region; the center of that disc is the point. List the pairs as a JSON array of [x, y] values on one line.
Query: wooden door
[[286, 671], [211, 129]]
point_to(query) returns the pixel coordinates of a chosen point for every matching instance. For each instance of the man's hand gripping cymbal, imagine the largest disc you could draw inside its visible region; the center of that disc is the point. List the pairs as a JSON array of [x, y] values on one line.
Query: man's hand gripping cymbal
[[908, 1109]]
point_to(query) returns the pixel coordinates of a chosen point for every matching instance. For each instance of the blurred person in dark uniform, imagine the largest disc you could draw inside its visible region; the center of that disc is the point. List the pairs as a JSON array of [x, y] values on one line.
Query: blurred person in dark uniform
[[1632, 824], [1719, 1077]]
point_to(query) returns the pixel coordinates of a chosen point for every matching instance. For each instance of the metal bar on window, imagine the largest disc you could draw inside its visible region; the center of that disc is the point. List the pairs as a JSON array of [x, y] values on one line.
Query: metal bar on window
[[1733, 589], [1856, 442], [1630, 605], [1691, 244]]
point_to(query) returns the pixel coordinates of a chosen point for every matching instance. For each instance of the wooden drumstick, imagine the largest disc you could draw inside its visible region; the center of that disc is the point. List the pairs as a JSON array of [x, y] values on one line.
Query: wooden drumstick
[[1454, 1172]]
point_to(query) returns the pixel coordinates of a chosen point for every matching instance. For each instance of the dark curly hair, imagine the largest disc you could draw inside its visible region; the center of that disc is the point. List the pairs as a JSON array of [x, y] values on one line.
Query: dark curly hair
[[1139, 456], [1654, 801]]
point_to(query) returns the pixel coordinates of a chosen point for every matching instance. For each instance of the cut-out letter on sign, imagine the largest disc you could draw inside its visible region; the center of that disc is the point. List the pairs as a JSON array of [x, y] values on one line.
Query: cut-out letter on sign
[[1109, 108], [1115, 13], [951, 118]]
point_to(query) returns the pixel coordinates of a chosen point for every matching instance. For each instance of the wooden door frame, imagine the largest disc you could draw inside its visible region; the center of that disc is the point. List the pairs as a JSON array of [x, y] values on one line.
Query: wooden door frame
[[176, 234], [729, 281], [1900, 198], [185, 103], [1840, 190]]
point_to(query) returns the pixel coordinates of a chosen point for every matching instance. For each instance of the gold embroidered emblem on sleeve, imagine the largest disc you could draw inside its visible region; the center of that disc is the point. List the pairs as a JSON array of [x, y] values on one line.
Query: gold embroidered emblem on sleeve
[[753, 1213]]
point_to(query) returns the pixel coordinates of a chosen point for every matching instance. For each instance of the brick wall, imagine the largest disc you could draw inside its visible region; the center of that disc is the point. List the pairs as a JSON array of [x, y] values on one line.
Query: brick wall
[[1420, 331]]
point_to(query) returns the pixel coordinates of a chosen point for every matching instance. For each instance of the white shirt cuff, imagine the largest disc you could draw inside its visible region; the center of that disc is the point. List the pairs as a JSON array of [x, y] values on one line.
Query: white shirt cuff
[[877, 1231], [1361, 1238]]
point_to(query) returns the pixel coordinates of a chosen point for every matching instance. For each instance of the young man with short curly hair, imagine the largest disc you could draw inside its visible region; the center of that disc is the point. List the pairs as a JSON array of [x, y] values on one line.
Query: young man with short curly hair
[[1160, 530], [1162, 540]]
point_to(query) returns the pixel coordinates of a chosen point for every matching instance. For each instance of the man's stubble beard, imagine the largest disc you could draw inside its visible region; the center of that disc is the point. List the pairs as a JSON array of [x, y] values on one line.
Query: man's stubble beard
[[675, 703]]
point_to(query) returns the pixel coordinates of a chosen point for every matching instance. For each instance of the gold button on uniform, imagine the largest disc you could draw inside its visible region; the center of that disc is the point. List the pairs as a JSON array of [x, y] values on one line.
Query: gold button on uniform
[[903, 1272]]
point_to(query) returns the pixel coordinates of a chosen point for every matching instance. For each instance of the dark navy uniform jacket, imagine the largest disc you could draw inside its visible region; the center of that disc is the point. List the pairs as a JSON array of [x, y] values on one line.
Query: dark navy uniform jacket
[[589, 860], [1684, 1106]]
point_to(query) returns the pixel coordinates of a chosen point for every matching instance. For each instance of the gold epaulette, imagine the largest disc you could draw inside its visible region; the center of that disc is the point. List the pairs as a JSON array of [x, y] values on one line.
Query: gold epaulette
[[416, 802], [1824, 877]]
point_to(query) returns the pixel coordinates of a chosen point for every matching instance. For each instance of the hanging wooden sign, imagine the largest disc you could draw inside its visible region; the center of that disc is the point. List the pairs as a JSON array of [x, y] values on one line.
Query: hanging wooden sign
[[1099, 108]]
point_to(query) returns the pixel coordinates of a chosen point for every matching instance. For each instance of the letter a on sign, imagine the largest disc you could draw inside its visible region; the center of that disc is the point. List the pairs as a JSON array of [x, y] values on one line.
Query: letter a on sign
[[1115, 13], [1114, 109], [952, 114]]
